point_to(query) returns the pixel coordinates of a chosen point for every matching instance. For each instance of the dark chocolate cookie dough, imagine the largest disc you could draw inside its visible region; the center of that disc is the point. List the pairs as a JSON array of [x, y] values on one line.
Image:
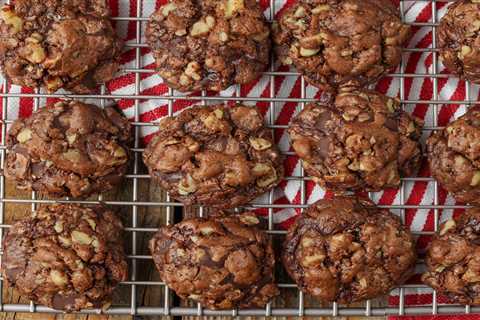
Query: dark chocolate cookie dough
[[209, 44], [454, 156], [66, 257], [453, 259], [337, 43], [214, 155], [458, 38], [223, 263], [57, 44], [361, 140], [68, 149], [346, 250]]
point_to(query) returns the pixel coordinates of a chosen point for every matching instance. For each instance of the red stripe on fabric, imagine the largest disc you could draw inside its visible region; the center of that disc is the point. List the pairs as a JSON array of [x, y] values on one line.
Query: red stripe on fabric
[[416, 196], [309, 187], [158, 90], [264, 4], [416, 299], [52, 101], [287, 223], [288, 109], [447, 111], [132, 25], [290, 163], [25, 107], [388, 196], [287, 5], [247, 89], [160, 3], [130, 76], [162, 110], [383, 85], [114, 11]]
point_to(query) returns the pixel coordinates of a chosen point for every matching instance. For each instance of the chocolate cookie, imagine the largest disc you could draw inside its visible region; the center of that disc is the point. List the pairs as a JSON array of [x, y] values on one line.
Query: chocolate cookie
[[454, 156], [58, 44], [336, 43], [222, 263], [66, 256], [68, 149], [458, 38], [214, 155], [346, 250], [359, 140], [453, 259], [209, 44]]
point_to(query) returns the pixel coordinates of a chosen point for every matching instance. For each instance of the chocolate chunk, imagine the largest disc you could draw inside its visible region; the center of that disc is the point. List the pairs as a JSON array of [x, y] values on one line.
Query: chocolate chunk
[[339, 43], [222, 263], [347, 250], [58, 44], [66, 256], [453, 259], [214, 155], [361, 140], [454, 156], [69, 149], [209, 44], [458, 38]]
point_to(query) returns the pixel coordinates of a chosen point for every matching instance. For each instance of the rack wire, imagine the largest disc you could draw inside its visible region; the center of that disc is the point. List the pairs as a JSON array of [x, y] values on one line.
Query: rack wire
[[169, 305]]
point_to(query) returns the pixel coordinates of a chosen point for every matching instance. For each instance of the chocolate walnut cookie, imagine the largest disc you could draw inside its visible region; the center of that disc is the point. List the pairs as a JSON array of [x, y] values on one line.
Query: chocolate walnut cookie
[[459, 39], [66, 257], [346, 250], [223, 263], [57, 44], [214, 155], [209, 44], [453, 259], [68, 149], [336, 43], [361, 140], [454, 156]]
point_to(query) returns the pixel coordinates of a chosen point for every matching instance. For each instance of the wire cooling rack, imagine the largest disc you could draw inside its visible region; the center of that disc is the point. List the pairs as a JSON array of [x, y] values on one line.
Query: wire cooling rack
[[168, 305]]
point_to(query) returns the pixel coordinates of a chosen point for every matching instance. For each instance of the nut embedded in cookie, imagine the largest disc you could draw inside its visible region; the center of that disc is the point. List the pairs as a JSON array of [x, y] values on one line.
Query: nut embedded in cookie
[[361, 140], [58, 44], [453, 259], [69, 149], [223, 263], [336, 43], [458, 38], [453, 154], [209, 44], [214, 155], [67, 257], [346, 249]]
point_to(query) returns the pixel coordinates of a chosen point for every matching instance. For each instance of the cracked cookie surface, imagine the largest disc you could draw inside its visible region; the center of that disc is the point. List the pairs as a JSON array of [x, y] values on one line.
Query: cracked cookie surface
[[454, 156], [67, 257], [453, 259], [214, 155], [223, 263], [458, 38], [55, 44], [209, 44], [361, 140], [336, 43], [346, 249], [69, 149]]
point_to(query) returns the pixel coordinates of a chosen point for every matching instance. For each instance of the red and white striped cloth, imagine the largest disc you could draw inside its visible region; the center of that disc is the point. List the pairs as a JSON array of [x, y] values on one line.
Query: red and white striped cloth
[[418, 88]]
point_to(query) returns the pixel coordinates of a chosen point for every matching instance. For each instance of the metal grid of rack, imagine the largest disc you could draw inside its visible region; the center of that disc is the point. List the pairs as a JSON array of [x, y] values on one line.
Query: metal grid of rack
[[170, 306]]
